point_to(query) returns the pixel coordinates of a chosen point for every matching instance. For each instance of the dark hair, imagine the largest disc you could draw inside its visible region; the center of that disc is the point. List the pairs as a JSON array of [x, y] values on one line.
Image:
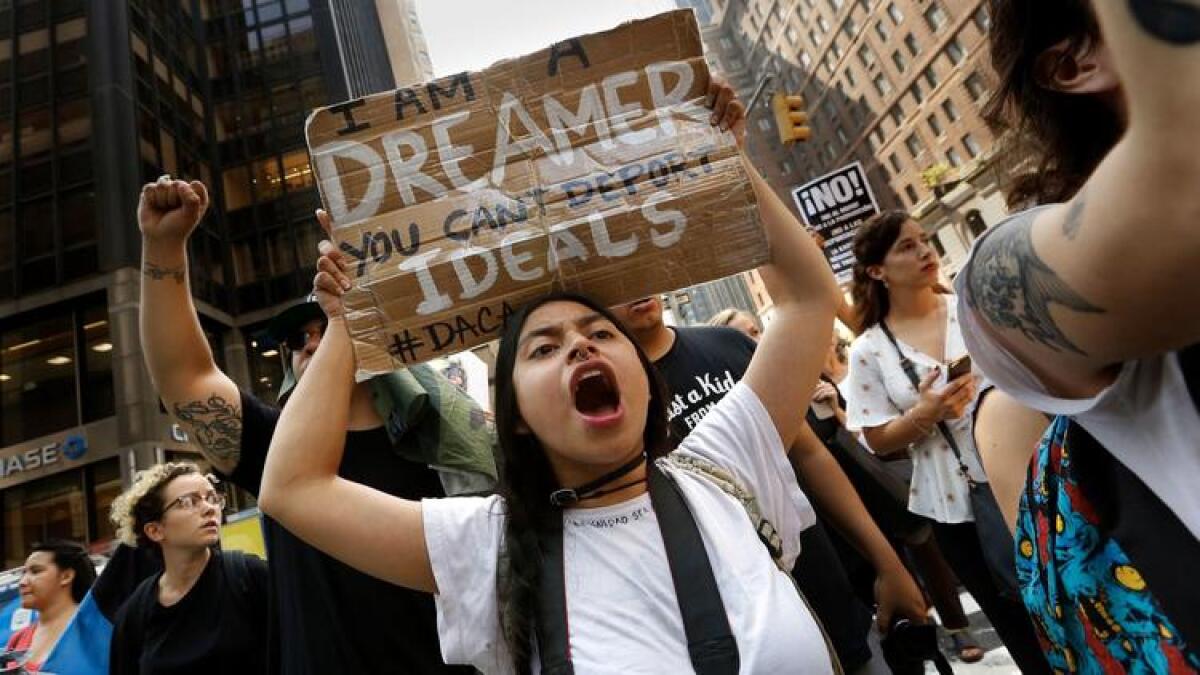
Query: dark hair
[[69, 555], [871, 245], [1066, 134], [527, 480]]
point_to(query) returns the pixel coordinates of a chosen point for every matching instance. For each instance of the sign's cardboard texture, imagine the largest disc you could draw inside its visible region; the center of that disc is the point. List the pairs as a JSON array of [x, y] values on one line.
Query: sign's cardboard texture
[[833, 206], [587, 166]]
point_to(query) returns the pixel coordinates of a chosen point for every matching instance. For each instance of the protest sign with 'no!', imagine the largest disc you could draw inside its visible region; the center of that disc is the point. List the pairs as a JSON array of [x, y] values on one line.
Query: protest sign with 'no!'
[[587, 166]]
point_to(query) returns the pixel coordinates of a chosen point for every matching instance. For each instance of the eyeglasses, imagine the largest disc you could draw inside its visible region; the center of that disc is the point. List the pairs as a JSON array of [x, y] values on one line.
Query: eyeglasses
[[297, 340], [192, 501]]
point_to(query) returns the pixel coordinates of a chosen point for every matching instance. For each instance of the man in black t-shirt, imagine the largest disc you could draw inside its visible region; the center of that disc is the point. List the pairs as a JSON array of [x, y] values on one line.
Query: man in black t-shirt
[[700, 365], [324, 616]]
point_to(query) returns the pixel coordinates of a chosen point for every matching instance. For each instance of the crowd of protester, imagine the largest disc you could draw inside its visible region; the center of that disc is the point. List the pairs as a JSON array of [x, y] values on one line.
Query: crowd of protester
[[727, 498]]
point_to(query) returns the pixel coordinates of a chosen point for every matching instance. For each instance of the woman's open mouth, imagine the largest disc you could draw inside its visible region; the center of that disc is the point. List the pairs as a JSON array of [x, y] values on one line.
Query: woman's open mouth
[[595, 396]]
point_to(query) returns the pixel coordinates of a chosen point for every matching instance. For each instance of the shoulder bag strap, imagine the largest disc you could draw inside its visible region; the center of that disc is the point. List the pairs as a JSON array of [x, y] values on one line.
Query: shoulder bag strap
[[907, 365], [710, 641], [711, 645], [553, 635]]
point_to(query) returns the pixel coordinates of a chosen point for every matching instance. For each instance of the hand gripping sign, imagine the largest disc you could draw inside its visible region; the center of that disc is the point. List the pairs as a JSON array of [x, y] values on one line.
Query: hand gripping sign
[[587, 166]]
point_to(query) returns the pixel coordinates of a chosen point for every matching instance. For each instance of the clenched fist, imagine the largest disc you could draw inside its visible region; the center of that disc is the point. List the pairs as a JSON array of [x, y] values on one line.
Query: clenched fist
[[169, 210]]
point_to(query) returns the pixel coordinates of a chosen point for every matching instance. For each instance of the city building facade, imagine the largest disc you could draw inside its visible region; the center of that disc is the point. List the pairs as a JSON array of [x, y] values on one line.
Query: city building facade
[[898, 85], [97, 98]]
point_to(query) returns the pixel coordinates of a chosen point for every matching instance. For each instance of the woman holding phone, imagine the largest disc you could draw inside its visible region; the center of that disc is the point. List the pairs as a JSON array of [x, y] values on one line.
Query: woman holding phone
[[901, 395]]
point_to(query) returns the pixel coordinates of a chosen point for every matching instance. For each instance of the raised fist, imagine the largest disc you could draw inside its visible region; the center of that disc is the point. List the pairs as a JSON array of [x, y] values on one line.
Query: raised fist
[[171, 209]]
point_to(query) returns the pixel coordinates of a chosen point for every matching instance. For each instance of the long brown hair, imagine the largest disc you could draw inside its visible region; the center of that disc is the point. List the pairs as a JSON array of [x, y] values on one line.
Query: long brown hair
[[871, 245], [1066, 134]]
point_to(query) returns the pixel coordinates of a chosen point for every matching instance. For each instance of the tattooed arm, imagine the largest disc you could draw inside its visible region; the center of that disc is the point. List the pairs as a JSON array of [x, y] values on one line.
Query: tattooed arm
[[1077, 289], [204, 400]]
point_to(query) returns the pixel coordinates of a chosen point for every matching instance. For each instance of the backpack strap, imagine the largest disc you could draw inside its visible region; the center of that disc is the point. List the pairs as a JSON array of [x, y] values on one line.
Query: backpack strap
[[243, 585], [711, 645], [1161, 547]]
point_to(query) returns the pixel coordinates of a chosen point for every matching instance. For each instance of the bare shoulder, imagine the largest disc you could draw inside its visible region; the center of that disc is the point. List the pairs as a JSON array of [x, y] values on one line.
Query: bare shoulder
[[1018, 291]]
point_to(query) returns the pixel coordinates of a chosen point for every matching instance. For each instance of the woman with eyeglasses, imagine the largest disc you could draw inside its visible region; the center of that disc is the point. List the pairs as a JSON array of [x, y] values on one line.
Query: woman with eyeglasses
[[206, 612]]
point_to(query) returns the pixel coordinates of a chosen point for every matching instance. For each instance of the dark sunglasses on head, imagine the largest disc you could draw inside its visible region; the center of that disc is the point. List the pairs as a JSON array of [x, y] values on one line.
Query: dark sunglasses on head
[[300, 337]]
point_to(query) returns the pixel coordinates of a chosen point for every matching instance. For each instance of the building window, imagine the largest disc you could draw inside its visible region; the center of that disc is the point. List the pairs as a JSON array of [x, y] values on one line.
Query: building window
[[972, 146], [931, 77], [823, 24], [915, 145], [875, 139], [981, 19], [882, 85], [835, 5], [882, 31], [866, 56], [935, 17], [850, 81], [895, 162], [951, 111], [791, 35], [934, 125], [45, 371], [917, 93], [812, 37], [785, 167], [897, 114], [954, 158], [955, 52], [841, 134], [912, 194], [895, 13], [806, 60], [900, 61], [850, 28], [975, 87], [910, 41]]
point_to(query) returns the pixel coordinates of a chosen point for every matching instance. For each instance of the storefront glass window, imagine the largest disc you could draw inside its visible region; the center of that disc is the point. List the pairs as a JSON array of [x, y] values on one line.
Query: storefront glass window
[[106, 485], [37, 378], [98, 395], [50, 508]]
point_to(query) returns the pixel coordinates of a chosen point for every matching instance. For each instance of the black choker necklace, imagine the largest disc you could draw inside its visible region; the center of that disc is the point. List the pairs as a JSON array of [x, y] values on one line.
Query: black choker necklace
[[568, 496]]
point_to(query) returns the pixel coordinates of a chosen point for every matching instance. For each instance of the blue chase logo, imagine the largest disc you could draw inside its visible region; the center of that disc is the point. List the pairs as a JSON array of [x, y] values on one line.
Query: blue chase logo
[[74, 447]]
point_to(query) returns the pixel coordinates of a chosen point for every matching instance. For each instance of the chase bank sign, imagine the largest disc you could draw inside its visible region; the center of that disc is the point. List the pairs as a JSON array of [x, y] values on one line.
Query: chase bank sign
[[71, 447]]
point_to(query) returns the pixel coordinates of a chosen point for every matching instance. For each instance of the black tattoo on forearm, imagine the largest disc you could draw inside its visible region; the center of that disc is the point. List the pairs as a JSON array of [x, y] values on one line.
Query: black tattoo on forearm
[[1074, 218], [1013, 288], [216, 424], [158, 272], [1169, 20]]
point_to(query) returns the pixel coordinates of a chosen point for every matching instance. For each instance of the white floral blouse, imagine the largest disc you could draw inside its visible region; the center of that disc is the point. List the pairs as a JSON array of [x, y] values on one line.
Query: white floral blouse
[[877, 391]]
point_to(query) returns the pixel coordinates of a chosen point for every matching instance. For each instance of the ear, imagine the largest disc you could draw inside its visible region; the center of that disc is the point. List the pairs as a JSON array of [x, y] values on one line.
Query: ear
[[155, 531], [1088, 71], [66, 577], [875, 272]]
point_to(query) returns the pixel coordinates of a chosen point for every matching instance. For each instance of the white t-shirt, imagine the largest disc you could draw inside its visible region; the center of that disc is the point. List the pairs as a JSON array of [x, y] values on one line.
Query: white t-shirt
[[623, 614], [878, 391], [1146, 418]]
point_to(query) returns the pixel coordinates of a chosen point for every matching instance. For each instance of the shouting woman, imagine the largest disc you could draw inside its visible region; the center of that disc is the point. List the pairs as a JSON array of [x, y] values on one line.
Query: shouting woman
[[603, 553]]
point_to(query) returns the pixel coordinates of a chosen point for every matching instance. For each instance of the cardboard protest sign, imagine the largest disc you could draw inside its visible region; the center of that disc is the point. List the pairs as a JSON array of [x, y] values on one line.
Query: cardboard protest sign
[[590, 166], [834, 205]]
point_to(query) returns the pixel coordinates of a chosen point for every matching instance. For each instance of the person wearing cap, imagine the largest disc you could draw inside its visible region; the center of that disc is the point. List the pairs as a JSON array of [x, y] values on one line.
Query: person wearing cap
[[324, 617]]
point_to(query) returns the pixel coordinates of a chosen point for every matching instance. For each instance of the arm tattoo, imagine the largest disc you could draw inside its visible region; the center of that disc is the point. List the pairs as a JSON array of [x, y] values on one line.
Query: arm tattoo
[[216, 424], [158, 272], [1013, 288], [1173, 21], [1074, 218]]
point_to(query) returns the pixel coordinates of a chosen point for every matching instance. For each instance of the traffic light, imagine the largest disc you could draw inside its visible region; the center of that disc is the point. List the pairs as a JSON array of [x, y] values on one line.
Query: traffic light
[[790, 118]]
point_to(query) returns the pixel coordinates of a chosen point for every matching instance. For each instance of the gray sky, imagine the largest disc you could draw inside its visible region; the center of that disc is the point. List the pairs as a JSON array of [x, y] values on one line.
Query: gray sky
[[472, 34]]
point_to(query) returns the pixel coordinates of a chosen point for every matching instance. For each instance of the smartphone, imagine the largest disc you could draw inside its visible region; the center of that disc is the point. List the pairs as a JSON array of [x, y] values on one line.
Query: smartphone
[[958, 367]]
